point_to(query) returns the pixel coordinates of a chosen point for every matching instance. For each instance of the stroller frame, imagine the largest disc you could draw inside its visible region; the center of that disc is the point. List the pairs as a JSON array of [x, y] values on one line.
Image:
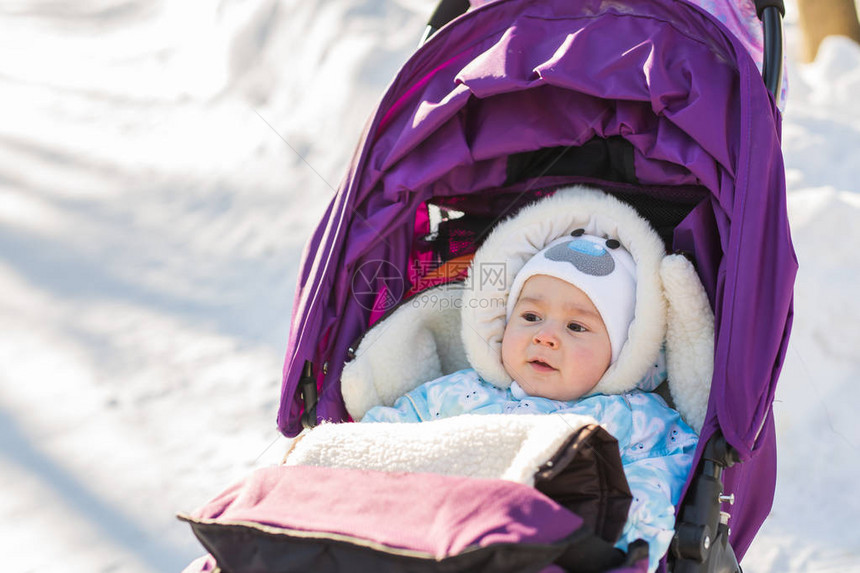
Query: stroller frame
[[701, 539]]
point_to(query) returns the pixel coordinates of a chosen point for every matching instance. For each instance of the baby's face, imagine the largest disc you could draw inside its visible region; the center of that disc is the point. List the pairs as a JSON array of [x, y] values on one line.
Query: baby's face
[[555, 345]]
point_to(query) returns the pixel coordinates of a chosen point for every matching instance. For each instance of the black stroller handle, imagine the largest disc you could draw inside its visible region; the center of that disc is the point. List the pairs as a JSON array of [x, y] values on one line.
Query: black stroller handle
[[770, 12], [445, 11]]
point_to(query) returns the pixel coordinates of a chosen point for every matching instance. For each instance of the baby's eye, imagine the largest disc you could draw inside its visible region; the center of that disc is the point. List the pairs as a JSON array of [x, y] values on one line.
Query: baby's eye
[[530, 317], [576, 327]]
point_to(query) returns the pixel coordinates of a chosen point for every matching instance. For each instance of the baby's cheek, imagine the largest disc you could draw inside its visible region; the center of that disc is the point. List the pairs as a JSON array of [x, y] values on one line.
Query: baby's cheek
[[510, 352]]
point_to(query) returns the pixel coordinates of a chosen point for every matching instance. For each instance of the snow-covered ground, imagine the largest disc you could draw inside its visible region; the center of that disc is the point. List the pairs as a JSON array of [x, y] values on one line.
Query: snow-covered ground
[[161, 166]]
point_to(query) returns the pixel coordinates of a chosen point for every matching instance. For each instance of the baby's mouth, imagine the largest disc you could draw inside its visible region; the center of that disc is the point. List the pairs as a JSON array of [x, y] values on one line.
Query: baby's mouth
[[541, 366]]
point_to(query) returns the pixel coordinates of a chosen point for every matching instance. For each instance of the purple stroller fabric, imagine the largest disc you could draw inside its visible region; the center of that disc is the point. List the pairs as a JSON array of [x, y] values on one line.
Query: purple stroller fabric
[[433, 514], [307, 518], [739, 17], [515, 76]]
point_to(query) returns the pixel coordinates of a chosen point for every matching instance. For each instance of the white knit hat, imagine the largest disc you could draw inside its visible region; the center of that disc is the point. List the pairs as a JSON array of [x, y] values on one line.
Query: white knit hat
[[601, 268]]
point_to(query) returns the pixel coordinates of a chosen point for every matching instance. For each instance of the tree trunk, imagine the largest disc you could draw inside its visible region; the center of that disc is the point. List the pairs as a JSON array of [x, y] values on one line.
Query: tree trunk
[[822, 18]]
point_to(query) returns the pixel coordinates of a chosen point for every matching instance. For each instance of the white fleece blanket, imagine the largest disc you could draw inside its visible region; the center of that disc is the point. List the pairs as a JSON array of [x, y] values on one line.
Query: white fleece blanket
[[496, 446]]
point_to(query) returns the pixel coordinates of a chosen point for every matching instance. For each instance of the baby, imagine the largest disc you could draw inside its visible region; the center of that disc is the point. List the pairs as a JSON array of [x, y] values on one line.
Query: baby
[[568, 315]]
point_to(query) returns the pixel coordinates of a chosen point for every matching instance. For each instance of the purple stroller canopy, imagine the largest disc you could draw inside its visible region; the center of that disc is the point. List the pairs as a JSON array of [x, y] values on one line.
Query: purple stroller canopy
[[515, 76]]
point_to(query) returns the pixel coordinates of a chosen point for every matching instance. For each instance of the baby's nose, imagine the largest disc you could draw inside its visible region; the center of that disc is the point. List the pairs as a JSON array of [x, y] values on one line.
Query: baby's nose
[[546, 337]]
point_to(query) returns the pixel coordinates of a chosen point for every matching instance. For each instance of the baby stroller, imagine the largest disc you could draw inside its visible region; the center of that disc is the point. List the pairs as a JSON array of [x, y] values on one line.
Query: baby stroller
[[654, 101]]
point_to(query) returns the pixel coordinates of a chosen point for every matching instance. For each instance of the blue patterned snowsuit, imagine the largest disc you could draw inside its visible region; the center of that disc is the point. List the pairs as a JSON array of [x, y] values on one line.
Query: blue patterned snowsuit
[[656, 445]]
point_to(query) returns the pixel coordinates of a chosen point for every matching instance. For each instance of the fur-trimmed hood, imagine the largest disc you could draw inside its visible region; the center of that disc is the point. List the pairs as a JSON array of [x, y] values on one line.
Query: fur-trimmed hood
[[513, 242], [455, 326]]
